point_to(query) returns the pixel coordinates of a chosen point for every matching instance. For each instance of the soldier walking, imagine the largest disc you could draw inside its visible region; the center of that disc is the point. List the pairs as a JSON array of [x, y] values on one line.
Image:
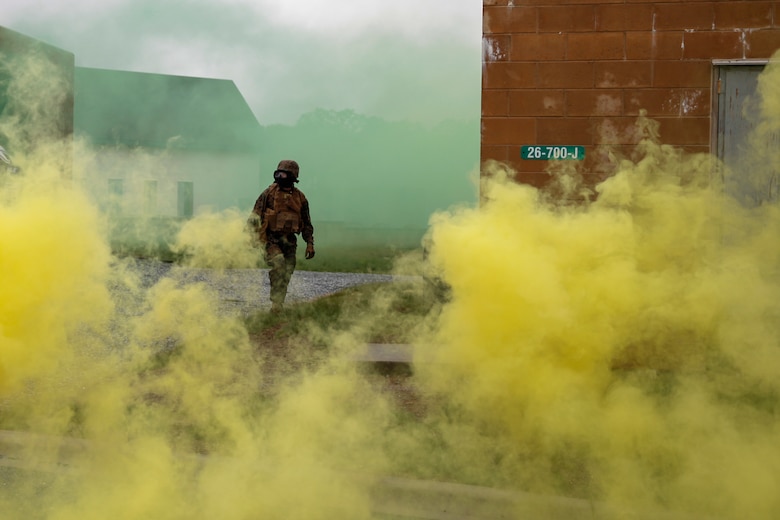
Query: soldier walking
[[280, 214]]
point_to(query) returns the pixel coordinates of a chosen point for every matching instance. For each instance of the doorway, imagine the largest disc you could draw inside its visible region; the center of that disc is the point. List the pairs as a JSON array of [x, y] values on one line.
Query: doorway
[[185, 199], [742, 142]]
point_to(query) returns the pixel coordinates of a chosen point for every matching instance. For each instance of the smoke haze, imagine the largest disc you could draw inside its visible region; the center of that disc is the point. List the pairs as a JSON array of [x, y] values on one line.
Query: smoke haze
[[627, 349], [375, 98], [622, 354], [398, 61]]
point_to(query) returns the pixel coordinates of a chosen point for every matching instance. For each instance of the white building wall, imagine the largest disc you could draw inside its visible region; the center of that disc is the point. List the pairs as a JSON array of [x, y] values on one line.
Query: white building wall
[[150, 180]]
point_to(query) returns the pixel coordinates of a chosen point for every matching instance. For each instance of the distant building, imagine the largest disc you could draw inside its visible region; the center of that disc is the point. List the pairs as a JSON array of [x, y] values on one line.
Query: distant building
[[167, 146], [36, 97], [159, 145], [579, 73]]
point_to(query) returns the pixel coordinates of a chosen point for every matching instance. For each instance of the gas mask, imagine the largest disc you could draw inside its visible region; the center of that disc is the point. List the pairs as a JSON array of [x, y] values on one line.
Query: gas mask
[[284, 178]]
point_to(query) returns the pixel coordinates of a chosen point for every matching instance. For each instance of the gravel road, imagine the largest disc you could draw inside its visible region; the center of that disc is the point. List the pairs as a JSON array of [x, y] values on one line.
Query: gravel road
[[245, 291]]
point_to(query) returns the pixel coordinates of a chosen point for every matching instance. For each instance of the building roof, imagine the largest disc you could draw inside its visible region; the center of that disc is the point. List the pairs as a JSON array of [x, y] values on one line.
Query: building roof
[[161, 111]]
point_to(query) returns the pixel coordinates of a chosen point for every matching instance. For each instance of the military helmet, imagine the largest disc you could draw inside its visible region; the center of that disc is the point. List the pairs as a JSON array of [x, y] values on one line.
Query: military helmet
[[289, 167]]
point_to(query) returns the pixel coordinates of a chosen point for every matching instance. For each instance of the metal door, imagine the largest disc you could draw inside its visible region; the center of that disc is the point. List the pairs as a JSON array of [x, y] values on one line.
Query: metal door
[[744, 150]]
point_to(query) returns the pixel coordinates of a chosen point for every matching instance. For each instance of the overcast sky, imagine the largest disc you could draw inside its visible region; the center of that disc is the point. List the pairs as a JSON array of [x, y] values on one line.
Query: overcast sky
[[397, 59]]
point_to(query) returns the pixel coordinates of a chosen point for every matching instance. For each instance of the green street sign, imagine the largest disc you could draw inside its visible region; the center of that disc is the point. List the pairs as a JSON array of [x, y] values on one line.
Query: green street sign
[[553, 153]]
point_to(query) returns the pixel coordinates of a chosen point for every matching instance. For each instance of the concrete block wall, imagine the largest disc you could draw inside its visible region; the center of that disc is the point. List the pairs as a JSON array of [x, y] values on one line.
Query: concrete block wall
[[578, 72]]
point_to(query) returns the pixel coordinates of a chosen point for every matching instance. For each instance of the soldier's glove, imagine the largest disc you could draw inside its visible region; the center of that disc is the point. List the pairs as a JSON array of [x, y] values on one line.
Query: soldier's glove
[[309, 251]]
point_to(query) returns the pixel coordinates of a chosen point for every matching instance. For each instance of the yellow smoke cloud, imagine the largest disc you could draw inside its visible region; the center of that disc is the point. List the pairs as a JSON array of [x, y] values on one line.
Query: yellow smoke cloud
[[768, 127], [53, 263], [122, 402], [166, 392], [217, 240], [625, 350]]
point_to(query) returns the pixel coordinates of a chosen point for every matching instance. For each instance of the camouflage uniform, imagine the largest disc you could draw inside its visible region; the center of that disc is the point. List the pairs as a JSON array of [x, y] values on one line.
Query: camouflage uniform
[[280, 213]]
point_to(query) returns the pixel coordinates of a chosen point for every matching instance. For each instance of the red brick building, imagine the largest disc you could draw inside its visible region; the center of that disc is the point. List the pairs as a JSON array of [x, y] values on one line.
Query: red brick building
[[578, 72]]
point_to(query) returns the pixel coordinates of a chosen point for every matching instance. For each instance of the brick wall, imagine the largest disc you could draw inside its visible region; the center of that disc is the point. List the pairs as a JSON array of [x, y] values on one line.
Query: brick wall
[[577, 72]]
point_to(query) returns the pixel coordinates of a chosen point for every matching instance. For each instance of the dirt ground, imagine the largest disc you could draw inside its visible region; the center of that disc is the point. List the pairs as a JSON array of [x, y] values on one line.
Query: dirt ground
[[281, 361]]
